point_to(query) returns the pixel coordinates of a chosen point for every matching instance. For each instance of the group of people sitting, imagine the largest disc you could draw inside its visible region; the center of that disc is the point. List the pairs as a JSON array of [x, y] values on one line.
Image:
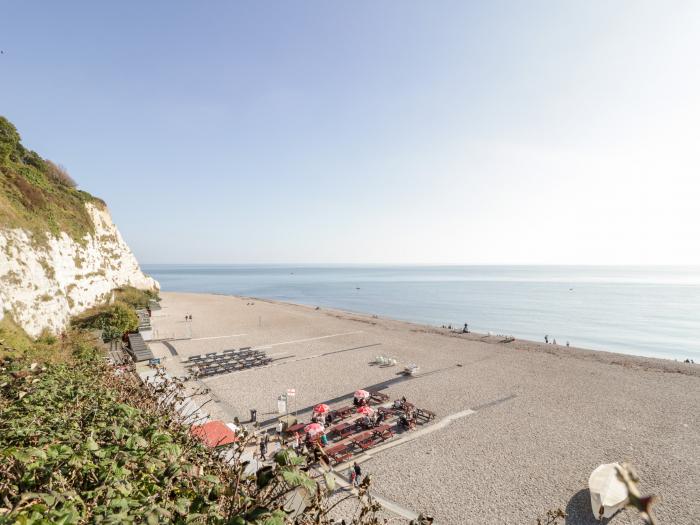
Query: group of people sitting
[[372, 421], [408, 417], [359, 402]]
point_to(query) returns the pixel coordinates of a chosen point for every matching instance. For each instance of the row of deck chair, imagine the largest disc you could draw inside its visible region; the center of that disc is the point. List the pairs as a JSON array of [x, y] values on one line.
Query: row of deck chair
[[226, 357], [225, 368]]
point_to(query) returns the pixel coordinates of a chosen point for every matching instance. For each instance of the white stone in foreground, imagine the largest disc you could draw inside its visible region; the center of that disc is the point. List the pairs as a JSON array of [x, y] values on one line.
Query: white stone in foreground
[[608, 493]]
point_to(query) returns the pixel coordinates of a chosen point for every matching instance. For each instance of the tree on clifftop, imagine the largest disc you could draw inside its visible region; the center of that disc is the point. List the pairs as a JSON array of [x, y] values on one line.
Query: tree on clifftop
[[9, 139]]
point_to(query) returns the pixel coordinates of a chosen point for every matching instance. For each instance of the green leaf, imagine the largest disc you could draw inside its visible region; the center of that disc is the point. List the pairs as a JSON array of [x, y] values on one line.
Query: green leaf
[[330, 480], [278, 518], [296, 478], [263, 476], [91, 444], [182, 505]]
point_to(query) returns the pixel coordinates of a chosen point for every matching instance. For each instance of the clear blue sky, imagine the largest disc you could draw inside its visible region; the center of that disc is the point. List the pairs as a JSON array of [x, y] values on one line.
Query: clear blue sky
[[436, 132]]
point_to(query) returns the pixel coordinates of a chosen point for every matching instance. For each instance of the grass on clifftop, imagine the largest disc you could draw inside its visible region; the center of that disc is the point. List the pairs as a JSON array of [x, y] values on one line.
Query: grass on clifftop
[[37, 194]]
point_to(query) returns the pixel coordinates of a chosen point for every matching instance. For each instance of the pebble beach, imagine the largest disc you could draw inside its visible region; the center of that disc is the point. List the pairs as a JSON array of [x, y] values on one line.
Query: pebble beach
[[519, 425]]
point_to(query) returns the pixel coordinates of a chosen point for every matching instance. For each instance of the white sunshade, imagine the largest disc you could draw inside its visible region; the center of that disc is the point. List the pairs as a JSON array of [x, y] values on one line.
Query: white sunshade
[[608, 493]]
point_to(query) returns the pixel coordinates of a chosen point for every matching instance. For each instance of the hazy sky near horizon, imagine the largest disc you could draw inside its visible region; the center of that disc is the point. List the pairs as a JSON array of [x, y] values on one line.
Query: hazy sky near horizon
[[379, 132]]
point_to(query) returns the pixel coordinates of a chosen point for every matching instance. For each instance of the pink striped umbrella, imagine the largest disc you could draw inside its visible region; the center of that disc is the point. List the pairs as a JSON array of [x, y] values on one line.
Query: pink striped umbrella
[[361, 394], [322, 408], [368, 411], [313, 429]]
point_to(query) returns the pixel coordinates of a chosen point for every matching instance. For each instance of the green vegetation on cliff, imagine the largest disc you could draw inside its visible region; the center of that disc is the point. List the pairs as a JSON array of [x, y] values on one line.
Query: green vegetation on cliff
[[37, 194]]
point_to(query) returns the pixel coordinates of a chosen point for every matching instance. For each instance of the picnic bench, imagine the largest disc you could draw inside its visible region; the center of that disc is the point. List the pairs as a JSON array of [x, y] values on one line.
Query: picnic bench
[[426, 415], [378, 397], [338, 453], [366, 440], [387, 411], [299, 427], [383, 432], [343, 412], [343, 430]]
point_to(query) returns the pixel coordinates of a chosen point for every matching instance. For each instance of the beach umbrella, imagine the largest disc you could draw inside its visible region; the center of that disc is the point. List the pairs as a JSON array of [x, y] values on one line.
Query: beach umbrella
[[322, 409], [313, 429], [361, 394], [368, 411], [608, 493]]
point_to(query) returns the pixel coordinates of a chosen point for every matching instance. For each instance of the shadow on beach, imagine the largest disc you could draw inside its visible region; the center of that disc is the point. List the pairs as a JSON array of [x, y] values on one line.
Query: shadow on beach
[[578, 510]]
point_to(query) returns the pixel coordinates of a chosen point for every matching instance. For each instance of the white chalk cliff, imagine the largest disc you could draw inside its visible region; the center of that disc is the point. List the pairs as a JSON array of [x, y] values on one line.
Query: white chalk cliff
[[43, 284]]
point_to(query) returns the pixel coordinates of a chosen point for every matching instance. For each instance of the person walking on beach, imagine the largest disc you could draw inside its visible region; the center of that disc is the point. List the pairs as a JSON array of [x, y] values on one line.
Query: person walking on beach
[[263, 449], [465, 330], [358, 473], [546, 339], [279, 429]]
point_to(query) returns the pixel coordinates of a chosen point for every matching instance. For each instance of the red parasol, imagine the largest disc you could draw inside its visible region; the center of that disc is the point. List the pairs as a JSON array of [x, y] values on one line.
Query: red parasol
[[322, 408], [313, 428], [368, 411]]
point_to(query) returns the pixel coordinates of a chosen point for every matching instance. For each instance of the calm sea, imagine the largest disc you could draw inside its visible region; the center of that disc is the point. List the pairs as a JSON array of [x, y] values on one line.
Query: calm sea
[[651, 311]]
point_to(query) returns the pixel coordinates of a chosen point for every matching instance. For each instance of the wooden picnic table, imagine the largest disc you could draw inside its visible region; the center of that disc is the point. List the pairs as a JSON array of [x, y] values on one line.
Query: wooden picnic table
[[344, 429], [343, 412], [387, 411], [365, 440], [383, 432], [425, 414], [378, 397], [338, 453], [299, 427]]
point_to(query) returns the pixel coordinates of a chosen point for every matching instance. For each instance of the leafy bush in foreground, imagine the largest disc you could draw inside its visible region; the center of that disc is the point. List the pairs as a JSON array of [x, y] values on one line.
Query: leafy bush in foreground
[[88, 443]]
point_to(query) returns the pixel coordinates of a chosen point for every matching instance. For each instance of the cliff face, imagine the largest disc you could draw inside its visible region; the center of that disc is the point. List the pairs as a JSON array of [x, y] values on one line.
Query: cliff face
[[43, 284]]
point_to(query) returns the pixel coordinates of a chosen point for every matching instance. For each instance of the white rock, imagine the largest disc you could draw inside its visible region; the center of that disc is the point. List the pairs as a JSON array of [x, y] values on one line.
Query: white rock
[[42, 287]]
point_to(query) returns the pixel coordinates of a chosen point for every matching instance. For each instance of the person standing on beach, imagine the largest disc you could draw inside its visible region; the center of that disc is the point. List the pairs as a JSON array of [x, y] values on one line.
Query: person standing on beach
[[546, 339], [263, 449]]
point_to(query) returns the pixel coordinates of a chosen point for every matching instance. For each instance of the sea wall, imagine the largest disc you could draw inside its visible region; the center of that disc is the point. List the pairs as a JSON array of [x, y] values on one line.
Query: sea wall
[[42, 284]]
